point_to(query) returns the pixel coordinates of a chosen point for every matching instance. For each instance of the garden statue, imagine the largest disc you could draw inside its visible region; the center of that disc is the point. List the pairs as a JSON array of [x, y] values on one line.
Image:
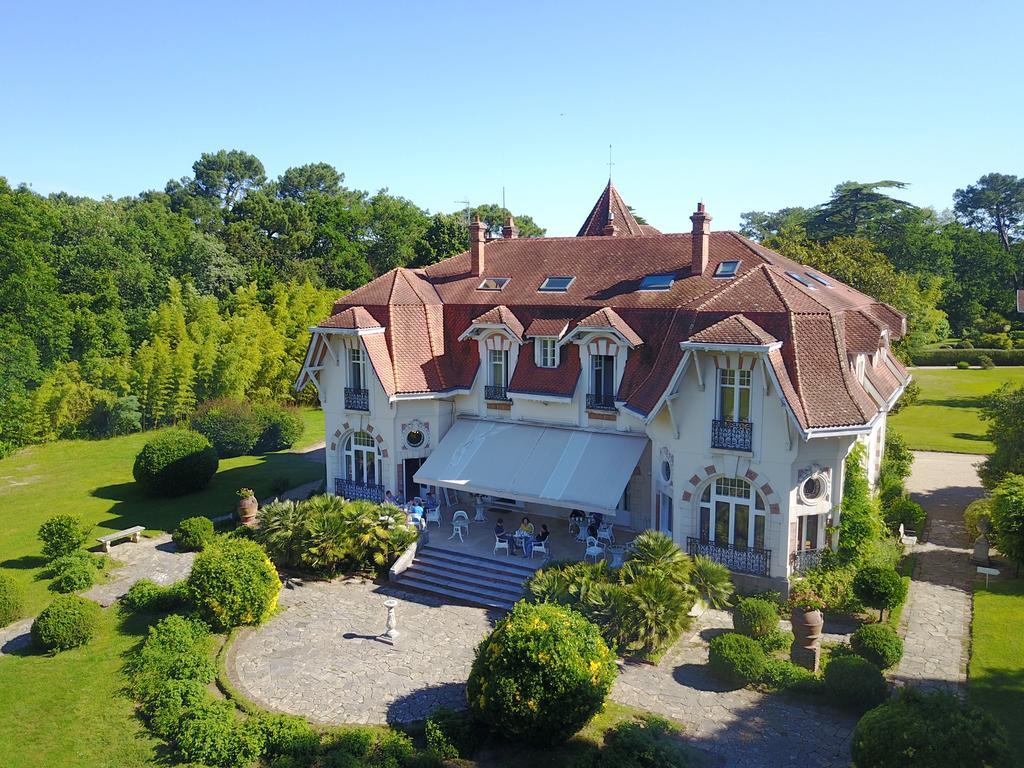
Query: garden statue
[[981, 544]]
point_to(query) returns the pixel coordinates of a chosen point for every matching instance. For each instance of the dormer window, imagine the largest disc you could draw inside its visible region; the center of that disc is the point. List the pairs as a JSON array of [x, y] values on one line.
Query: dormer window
[[547, 352], [818, 279], [657, 282], [556, 284], [727, 269], [493, 283], [802, 280]]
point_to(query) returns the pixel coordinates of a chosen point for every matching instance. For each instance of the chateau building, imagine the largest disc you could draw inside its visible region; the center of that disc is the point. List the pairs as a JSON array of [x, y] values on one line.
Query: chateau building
[[694, 383]]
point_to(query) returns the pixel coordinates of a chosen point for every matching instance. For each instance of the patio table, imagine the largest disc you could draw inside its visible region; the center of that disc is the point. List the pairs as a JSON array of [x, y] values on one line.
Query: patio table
[[616, 551], [479, 516]]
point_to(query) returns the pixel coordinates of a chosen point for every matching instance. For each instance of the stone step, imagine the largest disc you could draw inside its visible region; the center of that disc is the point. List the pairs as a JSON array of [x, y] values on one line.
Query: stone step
[[499, 564], [409, 579], [511, 590], [472, 569], [493, 583]]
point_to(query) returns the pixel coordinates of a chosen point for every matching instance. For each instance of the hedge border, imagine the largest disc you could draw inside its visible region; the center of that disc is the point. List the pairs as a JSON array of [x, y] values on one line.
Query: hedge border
[[951, 357]]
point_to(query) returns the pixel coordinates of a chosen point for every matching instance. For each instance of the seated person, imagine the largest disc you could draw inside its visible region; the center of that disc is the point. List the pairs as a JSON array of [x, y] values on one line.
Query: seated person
[[499, 531], [389, 498], [431, 501], [537, 539], [416, 513], [526, 528], [592, 530]]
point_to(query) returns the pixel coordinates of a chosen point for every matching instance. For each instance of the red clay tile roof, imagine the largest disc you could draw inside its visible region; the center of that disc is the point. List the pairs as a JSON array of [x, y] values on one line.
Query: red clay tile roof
[[610, 208], [353, 317], [735, 329], [606, 317], [424, 311], [500, 315]]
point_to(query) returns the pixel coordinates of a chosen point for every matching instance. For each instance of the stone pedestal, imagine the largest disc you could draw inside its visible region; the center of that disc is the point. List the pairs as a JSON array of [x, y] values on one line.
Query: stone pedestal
[[981, 545], [808, 658], [391, 633]]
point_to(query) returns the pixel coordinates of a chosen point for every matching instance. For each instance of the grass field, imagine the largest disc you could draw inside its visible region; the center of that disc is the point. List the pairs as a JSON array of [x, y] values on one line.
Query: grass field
[[996, 675], [947, 417], [92, 479]]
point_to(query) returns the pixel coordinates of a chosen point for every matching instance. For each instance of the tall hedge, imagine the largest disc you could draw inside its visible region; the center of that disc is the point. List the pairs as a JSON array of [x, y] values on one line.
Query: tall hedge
[[542, 674], [973, 356], [175, 462]]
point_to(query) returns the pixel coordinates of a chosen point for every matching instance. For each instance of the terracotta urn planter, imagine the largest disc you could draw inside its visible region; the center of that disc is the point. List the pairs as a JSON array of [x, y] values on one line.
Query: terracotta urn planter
[[247, 508], [806, 648]]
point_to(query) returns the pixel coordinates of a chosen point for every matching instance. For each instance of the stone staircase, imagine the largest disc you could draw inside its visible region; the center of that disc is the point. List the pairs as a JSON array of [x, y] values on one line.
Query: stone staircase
[[492, 583]]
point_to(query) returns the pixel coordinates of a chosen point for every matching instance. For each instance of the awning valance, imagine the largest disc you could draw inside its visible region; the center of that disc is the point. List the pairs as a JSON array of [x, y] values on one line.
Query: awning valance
[[563, 467]]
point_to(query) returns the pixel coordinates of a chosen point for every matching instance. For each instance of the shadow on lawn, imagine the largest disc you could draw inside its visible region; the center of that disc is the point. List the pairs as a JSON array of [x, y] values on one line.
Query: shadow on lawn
[[133, 507], [24, 563], [957, 402]]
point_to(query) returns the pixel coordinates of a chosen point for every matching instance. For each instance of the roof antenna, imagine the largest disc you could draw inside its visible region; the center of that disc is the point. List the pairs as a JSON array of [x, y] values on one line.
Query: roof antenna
[[610, 163], [503, 199], [465, 203]]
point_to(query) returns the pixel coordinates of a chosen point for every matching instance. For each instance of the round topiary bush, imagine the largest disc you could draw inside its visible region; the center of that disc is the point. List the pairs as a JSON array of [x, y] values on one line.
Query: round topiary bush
[[934, 730], [855, 683], [61, 535], [280, 427], [193, 533], [175, 462], [67, 622], [755, 618], [230, 425], [74, 572], [879, 644], [542, 673], [736, 658], [879, 587], [233, 583], [12, 605]]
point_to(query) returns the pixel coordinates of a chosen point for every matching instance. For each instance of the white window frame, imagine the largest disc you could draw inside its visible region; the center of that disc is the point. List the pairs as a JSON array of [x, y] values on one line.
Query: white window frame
[[733, 491], [547, 351], [599, 361], [737, 381], [497, 358], [364, 444], [801, 541], [357, 368]]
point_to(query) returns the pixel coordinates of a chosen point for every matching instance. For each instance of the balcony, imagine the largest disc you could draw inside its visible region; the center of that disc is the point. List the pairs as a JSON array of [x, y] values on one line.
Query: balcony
[[806, 559], [600, 402], [731, 435], [496, 393], [756, 562], [357, 399], [352, 489]]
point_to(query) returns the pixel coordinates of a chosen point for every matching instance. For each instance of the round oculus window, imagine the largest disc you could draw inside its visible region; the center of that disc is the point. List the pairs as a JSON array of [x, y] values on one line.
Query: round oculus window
[[414, 439], [813, 488], [666, 471]]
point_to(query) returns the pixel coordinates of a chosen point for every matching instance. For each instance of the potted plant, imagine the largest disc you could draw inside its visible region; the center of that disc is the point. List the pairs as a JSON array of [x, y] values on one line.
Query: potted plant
[[807, 618], [247, 506]]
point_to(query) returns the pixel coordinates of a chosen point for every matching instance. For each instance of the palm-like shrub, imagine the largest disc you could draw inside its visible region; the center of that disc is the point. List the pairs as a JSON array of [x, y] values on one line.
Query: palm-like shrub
[[657, 610], [655, 553], [542, 673], [712, 581], [282, 530]]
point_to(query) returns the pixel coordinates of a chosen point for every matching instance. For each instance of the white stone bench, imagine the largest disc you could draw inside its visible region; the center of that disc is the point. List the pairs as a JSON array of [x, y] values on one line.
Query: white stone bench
[[132, 533]]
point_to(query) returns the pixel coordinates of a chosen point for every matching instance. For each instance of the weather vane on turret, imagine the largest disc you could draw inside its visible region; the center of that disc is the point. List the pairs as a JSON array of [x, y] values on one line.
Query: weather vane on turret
[[610, 163]]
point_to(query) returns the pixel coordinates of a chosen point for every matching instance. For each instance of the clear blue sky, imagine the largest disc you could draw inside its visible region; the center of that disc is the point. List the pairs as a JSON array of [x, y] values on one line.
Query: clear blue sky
[[746, 105]]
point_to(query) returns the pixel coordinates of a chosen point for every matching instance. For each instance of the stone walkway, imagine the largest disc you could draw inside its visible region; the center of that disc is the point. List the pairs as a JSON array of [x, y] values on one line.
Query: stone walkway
[[937, 618], [320, 658], [155, 559]]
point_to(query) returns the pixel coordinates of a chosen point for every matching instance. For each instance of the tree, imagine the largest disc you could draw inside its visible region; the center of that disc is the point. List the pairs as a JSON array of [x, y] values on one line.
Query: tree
[[447, 235], [1004, 412], [761, 225], [494, 216], [227, 175], [1008, 518], [856, 208], [994, 203], [301, 181], [395, 226]]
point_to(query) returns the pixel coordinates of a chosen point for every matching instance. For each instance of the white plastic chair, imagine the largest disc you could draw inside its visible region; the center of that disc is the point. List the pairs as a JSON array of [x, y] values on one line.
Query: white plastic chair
[[539, 546], [595, 549], [500, 543], [433, 516], [460, 515], [460, 525], [606, 533]]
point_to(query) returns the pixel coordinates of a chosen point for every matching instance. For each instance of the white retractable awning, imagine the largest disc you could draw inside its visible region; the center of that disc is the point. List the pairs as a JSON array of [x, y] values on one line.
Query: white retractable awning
[[563, 467]]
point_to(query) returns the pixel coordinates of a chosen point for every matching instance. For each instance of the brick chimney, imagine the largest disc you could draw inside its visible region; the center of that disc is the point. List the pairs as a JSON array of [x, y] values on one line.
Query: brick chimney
[[510, 230], [701, 237], [610, 230], [477, 239]]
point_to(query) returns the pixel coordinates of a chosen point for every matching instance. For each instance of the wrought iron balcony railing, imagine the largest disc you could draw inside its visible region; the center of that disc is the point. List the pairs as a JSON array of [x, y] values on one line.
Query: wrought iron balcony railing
[[731, 435], [757, 562], [601, 402], [496, 393], [806, 559], [357, 399], [352, 489]]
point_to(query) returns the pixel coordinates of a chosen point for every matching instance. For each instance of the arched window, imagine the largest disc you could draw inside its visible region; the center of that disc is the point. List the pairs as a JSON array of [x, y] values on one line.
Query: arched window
[[362, 459], [732, 513]]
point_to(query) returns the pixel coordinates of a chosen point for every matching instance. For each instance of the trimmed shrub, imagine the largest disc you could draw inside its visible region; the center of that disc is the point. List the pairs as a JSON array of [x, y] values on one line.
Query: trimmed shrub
[[834, 585], [169, 702], [855, 683], [976, 511], [211, 734], [952, 356], [74, 572], [175, 462], [230, 425], [61, 535], [12, 603], [646, 742], [147, 595], [285, 735], [280, 427], [781, 674], [963, 365], [193, 533], [543, 672], [986, 362], [176, 648], [755, 618], [906, 511], [456, 729], [233, 583], [879, 587], [775, 640], [736, 658], [879, 644], [929, 730], [67, 622]]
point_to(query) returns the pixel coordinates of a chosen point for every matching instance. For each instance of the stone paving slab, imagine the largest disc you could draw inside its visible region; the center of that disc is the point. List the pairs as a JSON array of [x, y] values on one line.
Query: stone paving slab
[[156, 559]]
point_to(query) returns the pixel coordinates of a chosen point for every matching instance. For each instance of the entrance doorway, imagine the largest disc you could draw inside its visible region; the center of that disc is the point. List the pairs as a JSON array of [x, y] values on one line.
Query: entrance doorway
[[412, 488]]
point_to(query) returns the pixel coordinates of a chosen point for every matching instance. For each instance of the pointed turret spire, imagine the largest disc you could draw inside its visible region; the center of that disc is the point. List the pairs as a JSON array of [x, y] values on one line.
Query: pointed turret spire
[[610, 216]]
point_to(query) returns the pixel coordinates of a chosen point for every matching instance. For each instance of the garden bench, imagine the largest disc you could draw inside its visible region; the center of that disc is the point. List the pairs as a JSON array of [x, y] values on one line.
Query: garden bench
[[132, 533]]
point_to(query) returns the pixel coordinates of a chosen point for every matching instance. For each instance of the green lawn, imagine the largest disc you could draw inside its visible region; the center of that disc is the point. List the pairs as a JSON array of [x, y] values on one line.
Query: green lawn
[[996, 673], [92, 479], [68, 709], [947, 417]]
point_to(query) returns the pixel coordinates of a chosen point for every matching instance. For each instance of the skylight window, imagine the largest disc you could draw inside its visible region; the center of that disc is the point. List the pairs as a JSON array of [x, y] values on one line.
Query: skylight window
[[727, 269], [818, 279], [657, 282], [493, 283], [802, 280], [558, 284]]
